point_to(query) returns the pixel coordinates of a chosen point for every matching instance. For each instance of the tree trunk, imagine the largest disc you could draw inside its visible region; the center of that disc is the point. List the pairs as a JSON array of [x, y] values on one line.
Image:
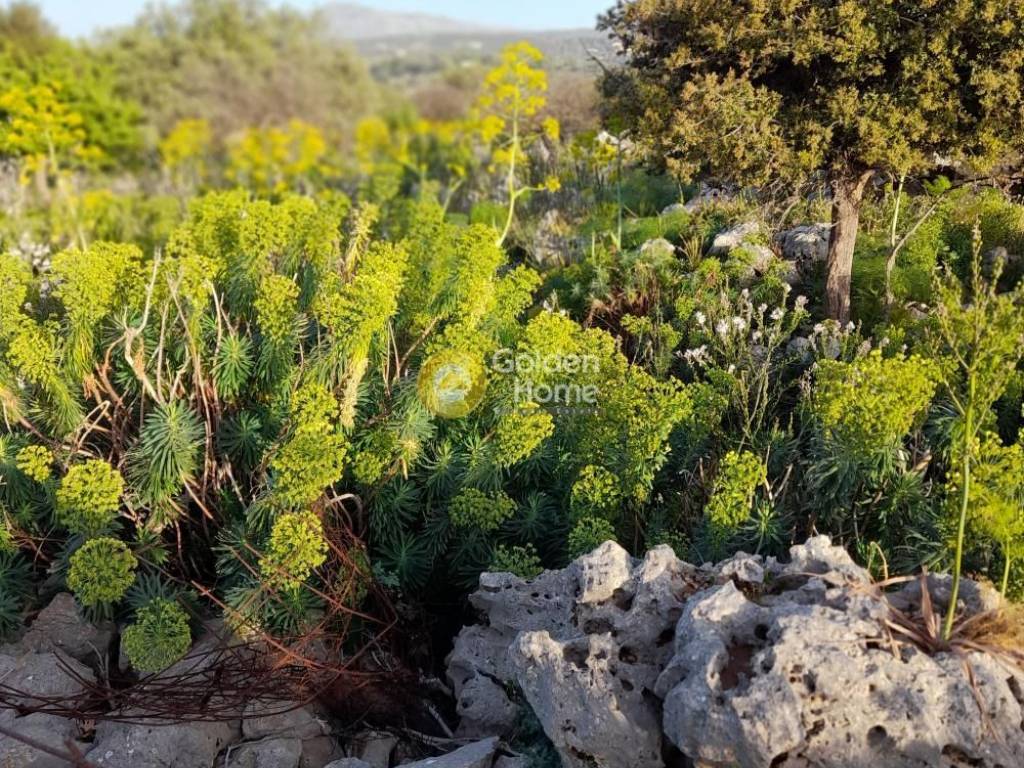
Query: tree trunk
[[847, 194]]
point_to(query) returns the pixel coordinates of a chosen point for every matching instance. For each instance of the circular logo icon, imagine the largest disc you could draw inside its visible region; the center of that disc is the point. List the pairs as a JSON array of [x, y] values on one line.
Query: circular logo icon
[[451, 383]]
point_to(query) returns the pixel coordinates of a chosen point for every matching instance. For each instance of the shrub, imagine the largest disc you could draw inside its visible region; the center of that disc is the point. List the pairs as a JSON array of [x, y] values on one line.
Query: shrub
[[101, 571], [868, 405], [520, 432], [158, 638], [313, 456]]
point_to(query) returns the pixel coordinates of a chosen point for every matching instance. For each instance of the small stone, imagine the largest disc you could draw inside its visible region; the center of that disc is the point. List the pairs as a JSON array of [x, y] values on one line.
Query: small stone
[[733, 237], [374, 747], [479, 754], [267, 753], [348, 762]]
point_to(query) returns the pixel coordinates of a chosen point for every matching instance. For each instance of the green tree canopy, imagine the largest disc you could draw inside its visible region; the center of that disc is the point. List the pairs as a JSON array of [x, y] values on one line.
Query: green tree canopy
[[752, 90], [236, 64], [35, 60]]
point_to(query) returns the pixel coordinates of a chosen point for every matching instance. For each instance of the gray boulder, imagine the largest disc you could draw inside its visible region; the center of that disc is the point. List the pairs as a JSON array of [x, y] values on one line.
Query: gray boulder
[[164, 744], [585, 645], [657, 248], [706, 197], [374, 748], [813, 681]]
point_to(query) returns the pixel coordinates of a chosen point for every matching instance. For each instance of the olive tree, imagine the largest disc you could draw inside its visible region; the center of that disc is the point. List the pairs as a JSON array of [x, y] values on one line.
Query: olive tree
[[749, 91]]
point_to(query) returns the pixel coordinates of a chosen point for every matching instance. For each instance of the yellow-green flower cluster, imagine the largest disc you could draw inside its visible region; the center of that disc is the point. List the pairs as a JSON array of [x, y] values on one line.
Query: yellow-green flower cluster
[[520, 432], [870, 404], [596, 492], [374, 457], [476, 510], [276, 307], [89, 283], [588, 534], [101, 571], [159, 637], [524, 562], [34, 461], [313, 456], [88, 497], [297, 546], [739, 475]]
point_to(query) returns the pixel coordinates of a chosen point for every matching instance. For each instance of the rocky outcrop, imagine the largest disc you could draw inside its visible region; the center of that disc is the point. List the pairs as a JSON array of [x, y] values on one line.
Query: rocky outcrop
[[591, 638], [805, 246], [751, 663]]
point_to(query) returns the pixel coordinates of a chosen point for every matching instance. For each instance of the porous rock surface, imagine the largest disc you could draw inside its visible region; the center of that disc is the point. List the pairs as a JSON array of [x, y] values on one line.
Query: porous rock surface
[[751, 663]]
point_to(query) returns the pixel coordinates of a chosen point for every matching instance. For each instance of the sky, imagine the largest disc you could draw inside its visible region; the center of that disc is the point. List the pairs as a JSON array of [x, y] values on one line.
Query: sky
[[80, 17]]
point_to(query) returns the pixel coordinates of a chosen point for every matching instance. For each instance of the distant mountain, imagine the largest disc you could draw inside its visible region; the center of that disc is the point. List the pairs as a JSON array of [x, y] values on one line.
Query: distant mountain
[[351, 21], [408, 47]]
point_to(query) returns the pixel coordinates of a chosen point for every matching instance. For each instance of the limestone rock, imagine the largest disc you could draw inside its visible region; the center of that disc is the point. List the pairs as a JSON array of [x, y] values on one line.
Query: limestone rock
[[511, 605], [798, 684], [706, 197], [806, 245], [657, 247], [39, 674], [265, 719], [186, 745], [61, 627], [267, 753], [484, 709], [733, 237], [55, 732], [348, 762], [479, 754], [374, 748], [551, 241], [750, 663], [592, 716], [590, 639]]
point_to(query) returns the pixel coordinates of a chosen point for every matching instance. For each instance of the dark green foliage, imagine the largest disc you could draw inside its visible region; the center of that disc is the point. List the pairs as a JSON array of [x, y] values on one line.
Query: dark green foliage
[[167, 454]]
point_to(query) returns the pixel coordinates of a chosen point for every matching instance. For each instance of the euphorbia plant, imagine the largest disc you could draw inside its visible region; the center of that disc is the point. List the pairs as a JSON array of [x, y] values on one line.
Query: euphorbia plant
[[980, 333]]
